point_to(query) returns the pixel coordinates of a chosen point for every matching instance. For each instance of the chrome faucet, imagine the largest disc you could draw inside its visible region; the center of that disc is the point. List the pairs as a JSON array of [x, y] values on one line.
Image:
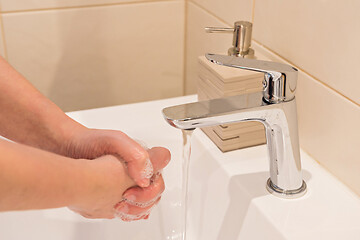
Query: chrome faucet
[[275, 107]]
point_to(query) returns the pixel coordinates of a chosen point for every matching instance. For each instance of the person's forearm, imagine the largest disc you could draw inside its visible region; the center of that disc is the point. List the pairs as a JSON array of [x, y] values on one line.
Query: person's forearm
[[28, 117], [34, 179]]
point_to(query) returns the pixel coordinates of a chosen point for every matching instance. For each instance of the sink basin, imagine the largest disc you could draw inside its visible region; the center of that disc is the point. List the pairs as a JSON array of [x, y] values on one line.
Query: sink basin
[[228, 199]]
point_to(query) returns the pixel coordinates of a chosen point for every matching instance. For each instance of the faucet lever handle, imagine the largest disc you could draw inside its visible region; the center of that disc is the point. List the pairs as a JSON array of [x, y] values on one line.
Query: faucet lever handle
[[280, 79]]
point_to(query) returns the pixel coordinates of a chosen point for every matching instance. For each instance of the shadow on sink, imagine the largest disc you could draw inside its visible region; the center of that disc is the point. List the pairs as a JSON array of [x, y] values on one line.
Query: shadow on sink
[[242, 220]]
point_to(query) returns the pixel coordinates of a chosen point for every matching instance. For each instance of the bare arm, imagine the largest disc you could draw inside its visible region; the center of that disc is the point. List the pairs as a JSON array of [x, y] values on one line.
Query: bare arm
[[28, 117], [36, 179], [24, 111]]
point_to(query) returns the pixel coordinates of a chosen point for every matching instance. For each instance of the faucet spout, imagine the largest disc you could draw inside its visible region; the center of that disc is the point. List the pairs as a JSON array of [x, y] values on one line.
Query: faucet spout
[[275, 108], [214, 112]]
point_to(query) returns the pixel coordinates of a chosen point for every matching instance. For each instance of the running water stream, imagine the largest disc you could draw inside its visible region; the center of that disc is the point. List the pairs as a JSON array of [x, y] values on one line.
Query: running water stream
[[185, 178]]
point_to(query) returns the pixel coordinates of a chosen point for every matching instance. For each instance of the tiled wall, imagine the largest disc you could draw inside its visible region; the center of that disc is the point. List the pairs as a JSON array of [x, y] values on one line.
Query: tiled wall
[[321, 38], [23, 5], [93, 53]]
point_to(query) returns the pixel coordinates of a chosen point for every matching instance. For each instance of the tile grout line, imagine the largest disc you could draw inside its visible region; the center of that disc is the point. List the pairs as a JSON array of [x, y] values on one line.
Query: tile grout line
[[307, 73], [2, 32], [185, 45], [210, 13], [85, 6]]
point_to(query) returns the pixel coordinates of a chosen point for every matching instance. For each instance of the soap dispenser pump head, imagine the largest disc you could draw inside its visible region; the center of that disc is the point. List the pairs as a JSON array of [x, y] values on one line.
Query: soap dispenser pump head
[[242, 31]]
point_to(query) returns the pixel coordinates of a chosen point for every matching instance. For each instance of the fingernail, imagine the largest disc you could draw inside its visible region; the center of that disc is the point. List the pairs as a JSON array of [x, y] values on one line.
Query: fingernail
[[155, 177], [130, 197], [124, 208]]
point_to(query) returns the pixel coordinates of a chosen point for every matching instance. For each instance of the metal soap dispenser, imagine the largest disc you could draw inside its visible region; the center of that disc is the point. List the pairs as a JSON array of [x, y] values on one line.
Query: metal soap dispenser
[[242, 31]]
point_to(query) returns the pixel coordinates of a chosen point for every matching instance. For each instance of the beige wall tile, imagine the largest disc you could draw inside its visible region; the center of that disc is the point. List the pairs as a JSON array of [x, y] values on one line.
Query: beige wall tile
[[94, 57], [198, 42], [321, 37], [329, 130], [19, 5], [229, 11], [328, 127]]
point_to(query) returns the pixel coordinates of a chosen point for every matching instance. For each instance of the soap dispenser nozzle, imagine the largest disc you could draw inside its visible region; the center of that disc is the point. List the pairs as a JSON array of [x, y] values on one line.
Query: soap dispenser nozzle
[[242, 38]]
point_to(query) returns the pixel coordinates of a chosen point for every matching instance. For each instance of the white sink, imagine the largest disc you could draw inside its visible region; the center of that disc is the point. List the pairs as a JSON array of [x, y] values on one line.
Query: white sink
[[227, 195]]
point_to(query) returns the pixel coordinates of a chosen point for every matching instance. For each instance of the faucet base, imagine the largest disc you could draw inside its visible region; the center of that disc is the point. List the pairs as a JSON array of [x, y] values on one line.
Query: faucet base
[[288, 194]]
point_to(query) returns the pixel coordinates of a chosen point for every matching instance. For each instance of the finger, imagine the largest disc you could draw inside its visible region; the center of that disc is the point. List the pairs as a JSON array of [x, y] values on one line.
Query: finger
[[160, 157], [130, 218], [145, 196], [136, 158], [130, 212]]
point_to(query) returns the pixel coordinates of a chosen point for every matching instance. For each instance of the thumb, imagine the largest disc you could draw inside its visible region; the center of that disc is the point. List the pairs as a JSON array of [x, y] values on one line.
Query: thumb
[[136, 159]]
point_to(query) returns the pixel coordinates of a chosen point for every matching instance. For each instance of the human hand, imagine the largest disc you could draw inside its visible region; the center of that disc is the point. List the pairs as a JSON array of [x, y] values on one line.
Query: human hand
[[138, 202], [93, 143], [113, 193], [107, 180]]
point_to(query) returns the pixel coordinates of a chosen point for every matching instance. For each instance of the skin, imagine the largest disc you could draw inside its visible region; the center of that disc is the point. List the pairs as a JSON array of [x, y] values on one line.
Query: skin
[[35, 179], [49, 163]]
